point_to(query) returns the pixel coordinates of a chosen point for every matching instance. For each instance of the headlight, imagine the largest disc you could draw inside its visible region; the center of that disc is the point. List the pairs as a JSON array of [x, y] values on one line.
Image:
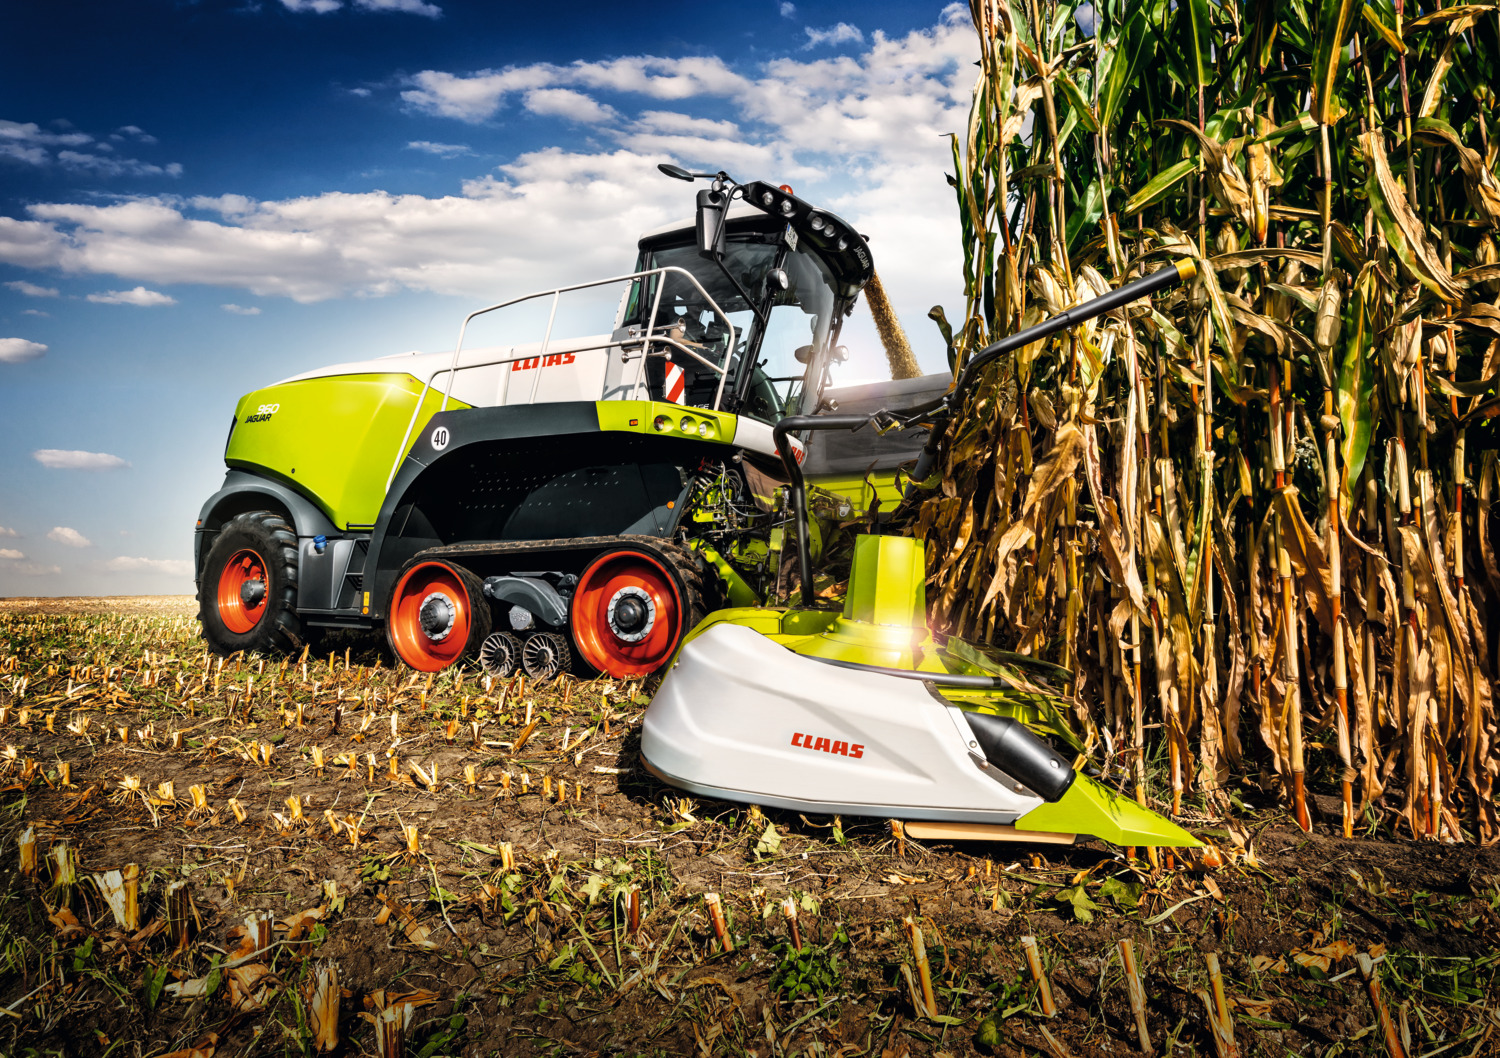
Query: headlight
[[767, 199], [688, 425], [663, 422], [816, 222], [705, 430], [787, 207]]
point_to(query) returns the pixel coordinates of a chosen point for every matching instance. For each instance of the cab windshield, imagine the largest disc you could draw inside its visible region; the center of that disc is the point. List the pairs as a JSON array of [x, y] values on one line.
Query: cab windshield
[[800, 319]]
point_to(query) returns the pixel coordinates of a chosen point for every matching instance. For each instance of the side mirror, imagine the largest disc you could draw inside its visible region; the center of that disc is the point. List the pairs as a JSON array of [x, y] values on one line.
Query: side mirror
[[713, 209]]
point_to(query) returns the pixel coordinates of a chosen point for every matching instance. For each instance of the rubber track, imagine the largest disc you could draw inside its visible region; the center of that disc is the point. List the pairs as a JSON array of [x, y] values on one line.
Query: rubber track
[[684, 562]]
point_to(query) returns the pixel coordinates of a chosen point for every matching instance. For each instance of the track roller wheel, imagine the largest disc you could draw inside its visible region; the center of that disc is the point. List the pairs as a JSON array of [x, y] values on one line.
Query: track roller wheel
[[247, 593], [499, 654], [438, 614], [545, 655], [631, 609]]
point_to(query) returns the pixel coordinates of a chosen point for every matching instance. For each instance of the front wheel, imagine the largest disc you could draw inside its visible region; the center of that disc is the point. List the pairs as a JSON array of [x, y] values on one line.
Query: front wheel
[[438, 615], [247, 595]]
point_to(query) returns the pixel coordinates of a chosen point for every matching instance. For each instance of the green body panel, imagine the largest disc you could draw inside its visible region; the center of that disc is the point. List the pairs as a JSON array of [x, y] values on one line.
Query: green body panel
[[1089, 808], [861, 491], [780, 624], [888, 583], [639, 416], [738, 591], [334, 438]]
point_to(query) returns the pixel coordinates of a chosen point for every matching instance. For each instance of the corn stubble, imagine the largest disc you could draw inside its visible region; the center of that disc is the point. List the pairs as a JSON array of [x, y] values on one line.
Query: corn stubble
[[1255, 512]]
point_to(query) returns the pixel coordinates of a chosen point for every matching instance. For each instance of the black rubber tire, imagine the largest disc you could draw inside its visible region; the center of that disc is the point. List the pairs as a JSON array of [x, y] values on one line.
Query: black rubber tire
[[562, 655], [697, 591], [277, 630], [500, 654], [703, 591], [479, 606]]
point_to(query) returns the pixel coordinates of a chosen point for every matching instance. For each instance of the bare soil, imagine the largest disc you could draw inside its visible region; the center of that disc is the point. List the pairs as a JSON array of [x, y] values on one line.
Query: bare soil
[[504, 918]]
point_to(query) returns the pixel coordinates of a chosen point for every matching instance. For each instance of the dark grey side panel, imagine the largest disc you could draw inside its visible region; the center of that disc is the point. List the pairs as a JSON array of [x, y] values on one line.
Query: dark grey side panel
[[526, 473], [843, 452]]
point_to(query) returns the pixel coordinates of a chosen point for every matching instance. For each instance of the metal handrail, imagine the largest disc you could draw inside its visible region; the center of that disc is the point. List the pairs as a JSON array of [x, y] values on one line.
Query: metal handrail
[[646, 339]]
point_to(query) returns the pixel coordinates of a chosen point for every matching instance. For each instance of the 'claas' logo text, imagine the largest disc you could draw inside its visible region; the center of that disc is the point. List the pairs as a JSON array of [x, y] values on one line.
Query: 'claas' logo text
[[828, 745], [550, 360]]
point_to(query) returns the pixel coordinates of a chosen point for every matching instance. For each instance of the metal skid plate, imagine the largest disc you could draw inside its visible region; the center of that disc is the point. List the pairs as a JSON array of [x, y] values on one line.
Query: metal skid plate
[[742, 718]]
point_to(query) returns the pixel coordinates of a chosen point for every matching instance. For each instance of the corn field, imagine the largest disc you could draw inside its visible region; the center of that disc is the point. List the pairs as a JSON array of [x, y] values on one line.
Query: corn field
[[1255, 513]]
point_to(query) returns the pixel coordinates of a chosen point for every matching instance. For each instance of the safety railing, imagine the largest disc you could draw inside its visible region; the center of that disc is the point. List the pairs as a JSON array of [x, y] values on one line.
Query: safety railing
[[645, 341]]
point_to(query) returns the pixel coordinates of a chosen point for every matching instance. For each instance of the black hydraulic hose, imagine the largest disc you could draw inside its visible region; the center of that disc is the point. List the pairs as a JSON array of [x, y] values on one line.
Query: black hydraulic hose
[[1162, 278], [791, 424]]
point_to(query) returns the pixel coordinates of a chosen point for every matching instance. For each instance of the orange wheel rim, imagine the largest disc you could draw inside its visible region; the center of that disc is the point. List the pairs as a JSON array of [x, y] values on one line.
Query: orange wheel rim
[[430, 617], [242, 591], [627, 614]]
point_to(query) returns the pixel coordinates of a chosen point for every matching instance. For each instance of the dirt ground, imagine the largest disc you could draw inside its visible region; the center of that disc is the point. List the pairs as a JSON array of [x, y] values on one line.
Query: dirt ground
[[488, 870]]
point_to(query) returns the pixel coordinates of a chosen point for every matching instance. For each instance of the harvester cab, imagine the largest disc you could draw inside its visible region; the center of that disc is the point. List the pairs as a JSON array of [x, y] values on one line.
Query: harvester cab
[[862, 709], [554, 500]]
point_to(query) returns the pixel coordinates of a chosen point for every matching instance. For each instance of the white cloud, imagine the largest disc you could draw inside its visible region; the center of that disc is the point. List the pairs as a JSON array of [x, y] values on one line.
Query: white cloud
[[672, 123], [68, 537], [10, 554], [843, 33], [116, 166], [442, 150], [410, 7], [28, 134], [479, 96], [788, 9], [19, 350], [134, 132], [31, 290], [36, 312], [27, 142], [33, 569], [67, 459], [324, 7], [862, 134], [6, 533], [566, 103], [139, 296], [471, 98], [180, 567], [242, 310]]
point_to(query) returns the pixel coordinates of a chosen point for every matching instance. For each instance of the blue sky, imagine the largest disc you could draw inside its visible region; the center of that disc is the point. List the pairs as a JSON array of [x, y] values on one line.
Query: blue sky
[[200, 198]]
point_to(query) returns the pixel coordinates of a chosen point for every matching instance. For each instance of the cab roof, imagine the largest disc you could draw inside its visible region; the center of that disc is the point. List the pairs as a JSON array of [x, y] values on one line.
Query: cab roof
[[766, 207]]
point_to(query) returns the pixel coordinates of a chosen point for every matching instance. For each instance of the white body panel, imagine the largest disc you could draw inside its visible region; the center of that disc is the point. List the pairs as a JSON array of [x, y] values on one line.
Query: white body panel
[[573, 369], [521, 378], [731, 717]]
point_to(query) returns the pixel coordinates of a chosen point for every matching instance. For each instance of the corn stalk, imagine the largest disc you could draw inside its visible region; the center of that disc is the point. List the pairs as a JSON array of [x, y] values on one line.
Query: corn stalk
[[1269, 492]]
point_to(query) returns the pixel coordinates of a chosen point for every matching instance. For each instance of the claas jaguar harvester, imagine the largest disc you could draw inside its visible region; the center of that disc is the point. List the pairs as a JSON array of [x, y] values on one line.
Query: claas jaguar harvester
[[557, 503], [647, 496]]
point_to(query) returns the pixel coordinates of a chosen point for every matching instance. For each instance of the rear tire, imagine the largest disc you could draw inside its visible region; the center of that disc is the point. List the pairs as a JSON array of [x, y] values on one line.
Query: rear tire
[[631, 609], [247, 594], [438, 615]]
